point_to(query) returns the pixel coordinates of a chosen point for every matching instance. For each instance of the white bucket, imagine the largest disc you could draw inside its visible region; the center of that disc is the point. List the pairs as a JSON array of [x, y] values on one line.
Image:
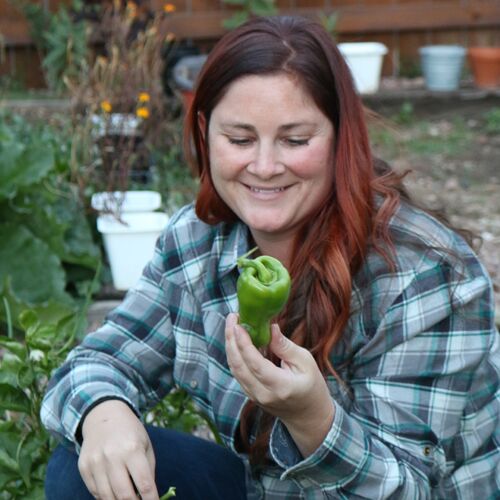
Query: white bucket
[[365, 62], [130, 245], [126, 201]]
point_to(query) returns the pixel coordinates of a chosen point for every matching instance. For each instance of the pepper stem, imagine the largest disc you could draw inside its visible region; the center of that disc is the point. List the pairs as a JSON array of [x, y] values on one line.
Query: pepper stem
[[250, 252]]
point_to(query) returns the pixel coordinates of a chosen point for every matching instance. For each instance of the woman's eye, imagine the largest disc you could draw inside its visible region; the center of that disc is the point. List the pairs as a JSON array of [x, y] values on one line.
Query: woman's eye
[[240, 141], [296, 142]]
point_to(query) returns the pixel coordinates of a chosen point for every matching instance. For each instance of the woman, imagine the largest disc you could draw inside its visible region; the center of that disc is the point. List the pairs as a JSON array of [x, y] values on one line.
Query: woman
[[381, 378]]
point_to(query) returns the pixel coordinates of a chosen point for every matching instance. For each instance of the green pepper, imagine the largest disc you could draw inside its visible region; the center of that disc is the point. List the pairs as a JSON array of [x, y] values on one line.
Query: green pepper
[[263, 288]]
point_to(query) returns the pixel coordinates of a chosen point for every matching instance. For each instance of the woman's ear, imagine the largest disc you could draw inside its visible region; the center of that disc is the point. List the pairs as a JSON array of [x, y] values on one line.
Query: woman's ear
[[202, 125]]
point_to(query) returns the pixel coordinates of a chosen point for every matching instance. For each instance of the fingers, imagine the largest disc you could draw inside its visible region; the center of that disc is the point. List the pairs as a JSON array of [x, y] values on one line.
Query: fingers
[[96, 480], [142, 472], [114, 475]]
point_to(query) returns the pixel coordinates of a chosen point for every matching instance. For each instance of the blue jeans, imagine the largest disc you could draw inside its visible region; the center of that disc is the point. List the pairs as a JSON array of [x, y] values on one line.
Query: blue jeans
[[199, 469]]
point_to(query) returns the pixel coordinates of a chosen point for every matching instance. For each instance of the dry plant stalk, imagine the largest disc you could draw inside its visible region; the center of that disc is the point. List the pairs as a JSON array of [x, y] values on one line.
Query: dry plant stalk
[[120, 107]]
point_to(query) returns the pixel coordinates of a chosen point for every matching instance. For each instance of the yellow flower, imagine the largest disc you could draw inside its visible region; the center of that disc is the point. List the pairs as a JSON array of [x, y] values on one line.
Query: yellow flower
[[169, 7], [142, 112], [131, 10], [106, 106], [144, 97]]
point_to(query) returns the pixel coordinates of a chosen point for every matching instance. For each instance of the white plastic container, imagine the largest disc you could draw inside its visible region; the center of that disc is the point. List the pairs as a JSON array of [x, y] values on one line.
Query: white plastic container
[[130, 244], [365, 62], [126, 201]]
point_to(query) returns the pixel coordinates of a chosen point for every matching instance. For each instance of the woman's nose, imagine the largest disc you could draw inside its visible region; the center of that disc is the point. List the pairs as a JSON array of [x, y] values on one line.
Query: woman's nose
[[266, 163]]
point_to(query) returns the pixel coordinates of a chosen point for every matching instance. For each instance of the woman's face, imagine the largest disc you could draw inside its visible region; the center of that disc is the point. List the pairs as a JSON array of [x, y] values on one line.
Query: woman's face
[[271, 153]]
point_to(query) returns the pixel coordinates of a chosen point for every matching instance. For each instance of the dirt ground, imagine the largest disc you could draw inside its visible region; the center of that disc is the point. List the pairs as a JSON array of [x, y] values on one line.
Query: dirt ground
[[452, 147]]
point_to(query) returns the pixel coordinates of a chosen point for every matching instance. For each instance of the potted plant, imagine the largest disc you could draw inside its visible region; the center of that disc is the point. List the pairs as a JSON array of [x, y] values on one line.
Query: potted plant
[[122, 116], [485, 66], [363, 58], [365, 62], [442, 66]]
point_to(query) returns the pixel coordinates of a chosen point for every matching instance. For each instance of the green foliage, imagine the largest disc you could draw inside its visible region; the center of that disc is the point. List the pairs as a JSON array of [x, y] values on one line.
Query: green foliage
[[177, 411], [329, 22], [248, 9], [25, 368], [406, 114], [44, 230], [61, 40], [492, 118]]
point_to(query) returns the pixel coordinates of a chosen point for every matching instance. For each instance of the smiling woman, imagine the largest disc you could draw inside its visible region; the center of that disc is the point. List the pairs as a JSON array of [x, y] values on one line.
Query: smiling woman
[[382, 372]]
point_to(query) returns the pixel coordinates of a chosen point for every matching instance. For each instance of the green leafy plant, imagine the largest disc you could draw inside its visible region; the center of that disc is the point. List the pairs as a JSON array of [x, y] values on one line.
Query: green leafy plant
[[61, 39], [25, 368], [247, 9], [492, 118], [48, 254]]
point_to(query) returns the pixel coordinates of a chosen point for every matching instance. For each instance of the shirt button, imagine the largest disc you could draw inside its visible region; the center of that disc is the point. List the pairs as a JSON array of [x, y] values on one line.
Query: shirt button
[[193, 384], [427, 450]]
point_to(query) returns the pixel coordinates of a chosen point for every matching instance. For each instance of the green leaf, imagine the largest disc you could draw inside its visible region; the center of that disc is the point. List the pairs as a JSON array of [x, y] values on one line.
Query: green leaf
[[28, 320], [23, 166], [7, 462], [35, 274], [10, 366], [235, 20], [14, 399], [14, 347], [41, 338], [263, 7]]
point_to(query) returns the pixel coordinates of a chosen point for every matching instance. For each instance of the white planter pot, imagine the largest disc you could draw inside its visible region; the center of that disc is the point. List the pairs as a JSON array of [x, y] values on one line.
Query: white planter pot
[[130, 245], [365, 62], [129, 228]]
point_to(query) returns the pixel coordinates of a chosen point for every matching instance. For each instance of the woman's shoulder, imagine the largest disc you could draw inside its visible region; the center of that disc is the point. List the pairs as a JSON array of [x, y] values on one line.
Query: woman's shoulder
[[420, 243]]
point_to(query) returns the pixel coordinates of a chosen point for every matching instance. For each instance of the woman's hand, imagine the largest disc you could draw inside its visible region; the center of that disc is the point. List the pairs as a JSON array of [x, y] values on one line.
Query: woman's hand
[[116, 450], [295, 391]]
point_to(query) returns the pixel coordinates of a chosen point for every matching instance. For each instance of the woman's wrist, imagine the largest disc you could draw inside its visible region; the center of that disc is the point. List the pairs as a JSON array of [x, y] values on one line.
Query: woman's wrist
[[309, 431]]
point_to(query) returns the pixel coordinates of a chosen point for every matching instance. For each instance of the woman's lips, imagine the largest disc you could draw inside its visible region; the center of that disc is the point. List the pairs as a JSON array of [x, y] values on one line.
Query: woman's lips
[[266, 193]]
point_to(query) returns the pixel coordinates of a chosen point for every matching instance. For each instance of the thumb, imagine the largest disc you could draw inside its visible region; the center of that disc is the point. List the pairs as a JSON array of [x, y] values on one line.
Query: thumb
[[283, 347]]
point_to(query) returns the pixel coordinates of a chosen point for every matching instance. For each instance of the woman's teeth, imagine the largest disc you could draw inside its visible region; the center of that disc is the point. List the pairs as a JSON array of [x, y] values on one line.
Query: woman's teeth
[[266, 190]]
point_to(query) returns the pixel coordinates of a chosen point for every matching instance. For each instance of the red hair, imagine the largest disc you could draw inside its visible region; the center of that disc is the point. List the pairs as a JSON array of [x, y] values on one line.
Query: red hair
[[332, 244]]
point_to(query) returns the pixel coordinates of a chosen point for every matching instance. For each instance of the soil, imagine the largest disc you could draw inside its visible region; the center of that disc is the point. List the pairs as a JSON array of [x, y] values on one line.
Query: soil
[[457, 169]]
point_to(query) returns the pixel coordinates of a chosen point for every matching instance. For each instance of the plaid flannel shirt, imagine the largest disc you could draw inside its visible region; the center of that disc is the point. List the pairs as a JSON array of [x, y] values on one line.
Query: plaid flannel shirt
[[417, 415]]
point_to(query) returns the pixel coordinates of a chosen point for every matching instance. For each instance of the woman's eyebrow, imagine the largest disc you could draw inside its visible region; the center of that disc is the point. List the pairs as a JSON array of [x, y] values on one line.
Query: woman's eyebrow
[[285, 127]]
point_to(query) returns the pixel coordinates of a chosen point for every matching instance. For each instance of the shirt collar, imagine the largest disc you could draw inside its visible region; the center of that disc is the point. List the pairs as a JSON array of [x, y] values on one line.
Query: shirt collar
[[236, 243]]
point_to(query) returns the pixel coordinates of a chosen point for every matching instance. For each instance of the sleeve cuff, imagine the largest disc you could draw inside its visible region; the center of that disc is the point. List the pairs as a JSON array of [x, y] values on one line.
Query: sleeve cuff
[[339, 458]]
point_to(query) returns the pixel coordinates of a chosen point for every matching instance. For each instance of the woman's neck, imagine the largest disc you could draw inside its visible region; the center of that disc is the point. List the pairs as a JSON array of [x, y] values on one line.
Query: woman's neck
[[277, 246]]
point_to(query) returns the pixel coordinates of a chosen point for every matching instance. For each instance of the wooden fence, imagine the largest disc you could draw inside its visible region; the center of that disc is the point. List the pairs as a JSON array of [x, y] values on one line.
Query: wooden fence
[[403, 25]]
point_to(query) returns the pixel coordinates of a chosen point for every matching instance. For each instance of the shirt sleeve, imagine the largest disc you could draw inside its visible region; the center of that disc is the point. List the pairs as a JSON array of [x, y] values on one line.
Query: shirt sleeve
[[129, 358], [424, 416]]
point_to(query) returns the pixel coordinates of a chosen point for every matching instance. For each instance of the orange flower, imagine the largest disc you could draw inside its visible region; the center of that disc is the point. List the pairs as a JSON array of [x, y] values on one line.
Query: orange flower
[[170, 37], [142, 112], [144, 97], [106, 106], [169, 8]]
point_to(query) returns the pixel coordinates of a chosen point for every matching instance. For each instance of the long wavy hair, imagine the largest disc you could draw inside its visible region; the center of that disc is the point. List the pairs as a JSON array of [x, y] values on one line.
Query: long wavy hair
[[333, 242]]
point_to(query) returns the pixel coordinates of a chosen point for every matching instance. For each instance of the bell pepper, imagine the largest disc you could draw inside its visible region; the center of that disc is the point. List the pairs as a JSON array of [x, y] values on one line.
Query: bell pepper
[[262, 288]]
